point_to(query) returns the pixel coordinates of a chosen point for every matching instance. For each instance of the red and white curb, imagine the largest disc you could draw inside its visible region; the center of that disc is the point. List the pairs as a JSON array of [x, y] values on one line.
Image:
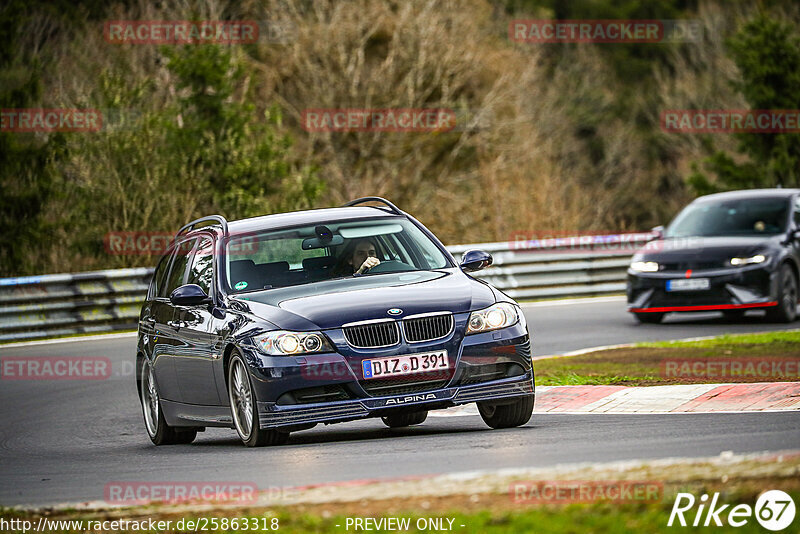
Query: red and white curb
[[690, 398]]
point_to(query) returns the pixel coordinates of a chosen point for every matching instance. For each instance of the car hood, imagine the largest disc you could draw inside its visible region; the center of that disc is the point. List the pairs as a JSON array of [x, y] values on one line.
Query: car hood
[[330, 304], [705, 248]]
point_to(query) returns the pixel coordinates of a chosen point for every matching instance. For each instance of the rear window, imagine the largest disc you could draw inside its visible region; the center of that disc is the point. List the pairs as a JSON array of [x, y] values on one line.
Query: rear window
[[201, 271], [180, 262], [289, 249], [158, 277]]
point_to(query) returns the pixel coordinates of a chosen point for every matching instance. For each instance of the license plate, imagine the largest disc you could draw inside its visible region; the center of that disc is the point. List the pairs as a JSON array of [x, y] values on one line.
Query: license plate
[[688, 284], [406, 364]]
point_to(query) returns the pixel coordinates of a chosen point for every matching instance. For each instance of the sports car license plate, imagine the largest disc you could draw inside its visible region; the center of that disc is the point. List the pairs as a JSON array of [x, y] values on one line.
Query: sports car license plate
[[688, 284], [406, 364]]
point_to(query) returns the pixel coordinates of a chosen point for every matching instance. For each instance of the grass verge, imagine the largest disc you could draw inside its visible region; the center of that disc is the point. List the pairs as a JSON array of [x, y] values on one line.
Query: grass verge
[[653, 364], [479, 503]]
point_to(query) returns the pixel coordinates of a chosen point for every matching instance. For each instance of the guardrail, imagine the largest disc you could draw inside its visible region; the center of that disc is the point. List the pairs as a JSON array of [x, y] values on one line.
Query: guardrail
[[34, 307]]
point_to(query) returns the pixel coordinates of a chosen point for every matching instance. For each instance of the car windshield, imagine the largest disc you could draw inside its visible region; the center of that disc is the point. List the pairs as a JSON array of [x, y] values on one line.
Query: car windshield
[[333, 250], [739, 217]]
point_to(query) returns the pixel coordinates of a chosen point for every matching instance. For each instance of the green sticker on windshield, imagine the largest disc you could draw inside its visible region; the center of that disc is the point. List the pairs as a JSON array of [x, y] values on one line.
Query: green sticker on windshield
[[240, 285]]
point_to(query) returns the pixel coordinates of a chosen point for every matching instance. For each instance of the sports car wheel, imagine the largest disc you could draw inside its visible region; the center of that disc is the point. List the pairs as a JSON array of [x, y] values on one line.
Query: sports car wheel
[[244, 408], [786, 310], [158, 430], [405, 419], [507, 415]]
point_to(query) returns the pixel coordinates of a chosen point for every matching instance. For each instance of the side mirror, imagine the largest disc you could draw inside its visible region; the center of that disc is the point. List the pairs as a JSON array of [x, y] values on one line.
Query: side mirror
[[659, 231], [475, 260], [189, 295]]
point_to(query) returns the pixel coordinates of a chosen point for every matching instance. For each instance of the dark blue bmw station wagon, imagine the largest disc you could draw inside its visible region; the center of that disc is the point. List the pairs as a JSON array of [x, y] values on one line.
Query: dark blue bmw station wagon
[[274, 324]]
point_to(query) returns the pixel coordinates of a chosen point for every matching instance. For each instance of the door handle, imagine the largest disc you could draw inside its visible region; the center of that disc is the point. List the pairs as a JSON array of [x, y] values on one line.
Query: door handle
[[176, 324]]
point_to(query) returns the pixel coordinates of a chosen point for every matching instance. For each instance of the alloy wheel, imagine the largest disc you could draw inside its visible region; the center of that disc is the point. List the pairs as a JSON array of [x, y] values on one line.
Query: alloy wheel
[[149, 399], [789, 293], [241, 399]]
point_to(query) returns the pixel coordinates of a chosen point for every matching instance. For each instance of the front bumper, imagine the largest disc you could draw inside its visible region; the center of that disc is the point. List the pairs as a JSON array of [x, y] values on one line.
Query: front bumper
[[491, 366], [338, 376], [272, 415], [744, 288]]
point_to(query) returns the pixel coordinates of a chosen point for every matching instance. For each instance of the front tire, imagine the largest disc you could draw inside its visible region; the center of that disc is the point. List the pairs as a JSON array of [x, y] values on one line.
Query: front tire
[[507, 415], [405, 419], [245, 410], [158, 430], [786, 310], [649, 318]]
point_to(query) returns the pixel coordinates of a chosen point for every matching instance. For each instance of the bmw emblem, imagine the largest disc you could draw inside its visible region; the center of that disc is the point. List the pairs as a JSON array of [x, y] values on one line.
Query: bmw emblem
[[394, 311]]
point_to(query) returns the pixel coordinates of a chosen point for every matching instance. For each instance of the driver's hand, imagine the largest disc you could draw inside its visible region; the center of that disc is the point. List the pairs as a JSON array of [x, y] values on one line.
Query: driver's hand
[[369, 263]]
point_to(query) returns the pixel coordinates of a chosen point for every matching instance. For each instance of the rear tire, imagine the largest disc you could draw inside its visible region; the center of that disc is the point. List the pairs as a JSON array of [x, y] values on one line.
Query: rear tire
[[159, 432], [405, 419], [649, 318], [786, 310], [507, 415], [244, 408]]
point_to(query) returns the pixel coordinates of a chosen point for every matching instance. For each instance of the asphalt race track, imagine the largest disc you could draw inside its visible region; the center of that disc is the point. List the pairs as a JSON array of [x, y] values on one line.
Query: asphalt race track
[[63, 441], [563, 326]]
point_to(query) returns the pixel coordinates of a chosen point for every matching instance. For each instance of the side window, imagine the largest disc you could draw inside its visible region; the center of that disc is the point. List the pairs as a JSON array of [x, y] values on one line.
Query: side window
[[179, 263], [797, 213], [202, 270], [158, 277]]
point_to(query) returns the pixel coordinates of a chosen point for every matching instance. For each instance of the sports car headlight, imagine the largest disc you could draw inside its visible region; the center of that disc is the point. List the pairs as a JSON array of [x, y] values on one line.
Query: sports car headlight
[[645, 266], [283, 343], [492, 318], [759, 258]]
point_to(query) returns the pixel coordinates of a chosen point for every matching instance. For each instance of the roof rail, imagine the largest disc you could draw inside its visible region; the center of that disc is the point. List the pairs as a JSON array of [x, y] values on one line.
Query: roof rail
[[392, 207], [215, 218]]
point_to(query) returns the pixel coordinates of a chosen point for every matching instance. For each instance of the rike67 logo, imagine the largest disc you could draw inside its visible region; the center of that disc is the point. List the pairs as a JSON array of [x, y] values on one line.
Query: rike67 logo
[[774, 510]]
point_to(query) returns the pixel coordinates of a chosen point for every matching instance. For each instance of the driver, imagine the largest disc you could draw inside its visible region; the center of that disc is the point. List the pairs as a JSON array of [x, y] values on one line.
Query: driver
[[358, 252]]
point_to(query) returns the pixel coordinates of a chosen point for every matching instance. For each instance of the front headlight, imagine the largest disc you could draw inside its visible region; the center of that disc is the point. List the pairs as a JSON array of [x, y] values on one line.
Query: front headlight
[[759, 258], [492, 318], [283, 343], [645, 266]]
